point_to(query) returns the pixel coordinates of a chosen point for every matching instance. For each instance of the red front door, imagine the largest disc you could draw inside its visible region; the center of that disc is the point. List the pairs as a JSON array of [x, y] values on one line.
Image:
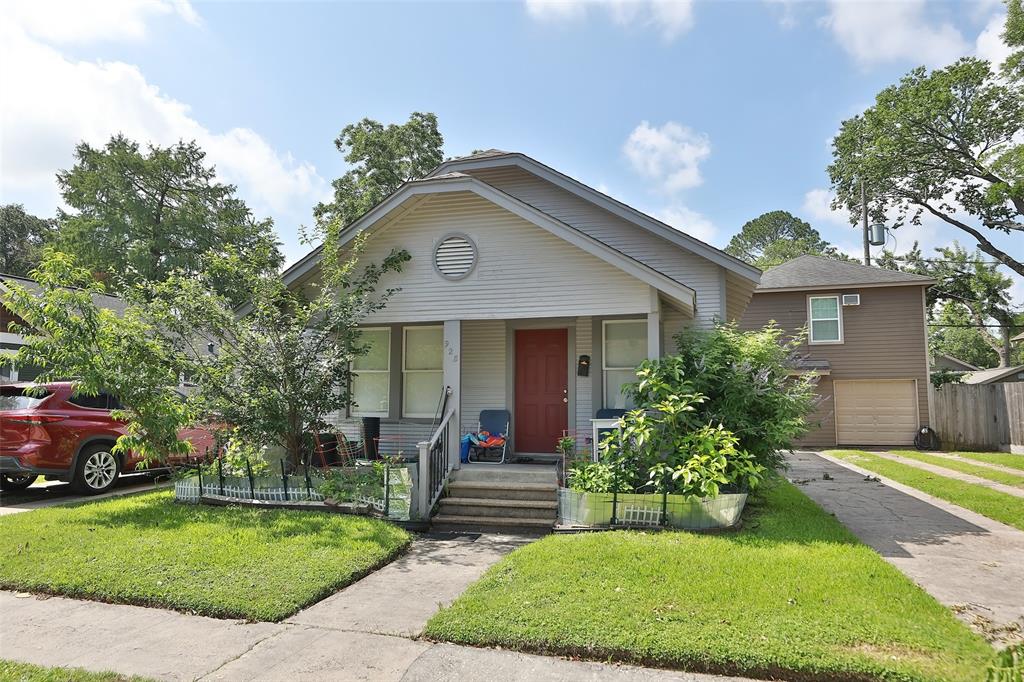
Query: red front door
[[542, 388]]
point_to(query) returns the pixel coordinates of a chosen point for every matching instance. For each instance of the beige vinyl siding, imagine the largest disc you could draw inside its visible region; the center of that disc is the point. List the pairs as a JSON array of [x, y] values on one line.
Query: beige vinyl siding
[[883, 338], [483, 369], [687, 268], [737, 296], [584, 396], [823, 419], [672, 322], [523, 271]]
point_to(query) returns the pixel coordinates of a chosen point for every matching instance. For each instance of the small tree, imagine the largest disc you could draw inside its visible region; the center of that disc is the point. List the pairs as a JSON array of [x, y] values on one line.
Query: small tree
[[69, 336], [279, 368]]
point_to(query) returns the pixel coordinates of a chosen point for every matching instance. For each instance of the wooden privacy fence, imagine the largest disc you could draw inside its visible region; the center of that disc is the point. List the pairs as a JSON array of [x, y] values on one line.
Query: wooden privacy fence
[[984, 417]]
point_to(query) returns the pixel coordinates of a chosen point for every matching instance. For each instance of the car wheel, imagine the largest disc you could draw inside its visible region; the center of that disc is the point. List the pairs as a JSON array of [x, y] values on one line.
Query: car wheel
[[97, 470], [16, 481]]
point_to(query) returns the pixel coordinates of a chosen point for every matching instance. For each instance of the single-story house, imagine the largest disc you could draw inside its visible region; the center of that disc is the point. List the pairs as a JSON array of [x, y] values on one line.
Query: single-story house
[[942, 362], [999, 375], [527, 291], [866, 339], [10, 342]]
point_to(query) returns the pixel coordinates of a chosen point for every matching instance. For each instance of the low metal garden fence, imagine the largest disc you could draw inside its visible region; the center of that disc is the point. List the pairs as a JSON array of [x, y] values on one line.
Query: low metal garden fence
[[393, 502], [646, 510]]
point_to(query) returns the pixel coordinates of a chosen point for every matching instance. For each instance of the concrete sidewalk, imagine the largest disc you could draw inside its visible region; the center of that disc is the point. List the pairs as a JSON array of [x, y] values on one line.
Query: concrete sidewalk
[[966, 561], [365, 632]]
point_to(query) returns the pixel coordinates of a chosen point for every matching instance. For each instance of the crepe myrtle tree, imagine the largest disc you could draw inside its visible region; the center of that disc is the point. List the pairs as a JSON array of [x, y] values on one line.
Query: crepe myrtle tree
[[276, 368], [69, 336]]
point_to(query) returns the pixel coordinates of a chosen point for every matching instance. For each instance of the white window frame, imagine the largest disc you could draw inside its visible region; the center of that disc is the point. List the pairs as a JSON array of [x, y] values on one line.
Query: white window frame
[[405, 372], [810, 320], [356, 411], [604, 353]]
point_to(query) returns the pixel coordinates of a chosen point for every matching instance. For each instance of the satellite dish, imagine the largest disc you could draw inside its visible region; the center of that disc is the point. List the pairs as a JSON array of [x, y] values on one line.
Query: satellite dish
[[877, 235]]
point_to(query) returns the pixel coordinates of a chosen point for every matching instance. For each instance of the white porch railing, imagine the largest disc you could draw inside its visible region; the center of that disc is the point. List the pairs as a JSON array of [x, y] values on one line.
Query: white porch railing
[[436, 462]]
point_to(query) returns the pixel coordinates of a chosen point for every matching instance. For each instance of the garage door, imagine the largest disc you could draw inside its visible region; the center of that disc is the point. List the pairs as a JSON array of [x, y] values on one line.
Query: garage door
[[876, 412]]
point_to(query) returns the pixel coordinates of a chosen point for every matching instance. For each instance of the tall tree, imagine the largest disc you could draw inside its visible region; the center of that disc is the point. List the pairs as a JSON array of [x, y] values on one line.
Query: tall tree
[[1013, 35], [955, 334], [969, 287], [21, 239], [776, 237], [946, 144], [383, 158], [140, 215]]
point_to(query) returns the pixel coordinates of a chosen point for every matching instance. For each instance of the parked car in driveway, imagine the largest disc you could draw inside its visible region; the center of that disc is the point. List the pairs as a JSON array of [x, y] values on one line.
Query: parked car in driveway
[[64, 436]]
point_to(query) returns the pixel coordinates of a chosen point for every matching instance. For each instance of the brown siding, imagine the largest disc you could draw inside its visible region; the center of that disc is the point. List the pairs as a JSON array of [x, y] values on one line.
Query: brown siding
[[7, 317], [883, 338]]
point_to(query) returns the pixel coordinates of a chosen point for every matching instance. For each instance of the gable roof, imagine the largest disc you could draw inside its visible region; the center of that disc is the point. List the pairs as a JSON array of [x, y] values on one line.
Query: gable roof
[[987, 376], [679, 293], [494, 158], [101, 300], [1019, 337], [965, 366], [818, 272]]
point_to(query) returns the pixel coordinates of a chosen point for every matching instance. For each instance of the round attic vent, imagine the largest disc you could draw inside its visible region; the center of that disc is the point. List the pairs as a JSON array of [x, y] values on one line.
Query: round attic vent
[[455, 256]]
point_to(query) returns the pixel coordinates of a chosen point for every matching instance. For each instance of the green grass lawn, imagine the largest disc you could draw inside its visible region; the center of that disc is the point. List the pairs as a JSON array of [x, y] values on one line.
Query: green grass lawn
[[217, 561], [965, 467], [1005, 459], [987, 502], [12, 671], [793, 594]]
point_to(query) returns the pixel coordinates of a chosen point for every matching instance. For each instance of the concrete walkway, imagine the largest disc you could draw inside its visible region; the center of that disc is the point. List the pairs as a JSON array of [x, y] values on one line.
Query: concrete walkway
[[54, 493], [365, 632], [951, 473], [970, 563]]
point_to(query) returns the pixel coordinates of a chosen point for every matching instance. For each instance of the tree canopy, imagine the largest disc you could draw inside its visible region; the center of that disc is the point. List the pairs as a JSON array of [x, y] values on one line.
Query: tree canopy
[[775, 237], [22, 236], [946, 144], [141, 214], [383, 158]]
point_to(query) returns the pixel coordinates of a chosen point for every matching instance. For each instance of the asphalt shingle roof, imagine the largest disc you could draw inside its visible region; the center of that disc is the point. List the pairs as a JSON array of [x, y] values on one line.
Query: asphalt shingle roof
[[101, 300], [818, 271]]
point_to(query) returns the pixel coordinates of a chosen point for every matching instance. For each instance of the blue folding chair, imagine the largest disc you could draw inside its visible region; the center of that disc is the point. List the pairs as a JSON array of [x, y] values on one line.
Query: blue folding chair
[[495, 422]]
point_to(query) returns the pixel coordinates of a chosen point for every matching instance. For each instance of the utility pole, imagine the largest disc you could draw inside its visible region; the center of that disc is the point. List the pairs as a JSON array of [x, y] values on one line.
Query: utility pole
[[864, 218]]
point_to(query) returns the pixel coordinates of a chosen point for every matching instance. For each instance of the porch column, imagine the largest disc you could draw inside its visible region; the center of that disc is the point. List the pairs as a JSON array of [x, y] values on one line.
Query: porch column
[[654, 326], [453, 379]]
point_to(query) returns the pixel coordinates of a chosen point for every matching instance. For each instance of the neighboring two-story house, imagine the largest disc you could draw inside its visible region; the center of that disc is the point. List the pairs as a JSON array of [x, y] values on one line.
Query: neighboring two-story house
[[866, 338]]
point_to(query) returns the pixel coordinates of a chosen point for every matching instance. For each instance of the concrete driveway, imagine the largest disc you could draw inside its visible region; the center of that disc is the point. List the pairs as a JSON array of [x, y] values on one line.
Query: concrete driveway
[[966, 561], [50, 493]]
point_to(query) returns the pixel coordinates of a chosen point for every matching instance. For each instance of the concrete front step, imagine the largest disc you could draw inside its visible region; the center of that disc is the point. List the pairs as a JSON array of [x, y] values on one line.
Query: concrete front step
[[506, 473], [485, 523], [518, 509], [503, 491]]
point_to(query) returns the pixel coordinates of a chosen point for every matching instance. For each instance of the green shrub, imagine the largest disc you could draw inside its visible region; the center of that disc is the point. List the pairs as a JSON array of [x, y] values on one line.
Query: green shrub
[[746, 382], [664, 448]]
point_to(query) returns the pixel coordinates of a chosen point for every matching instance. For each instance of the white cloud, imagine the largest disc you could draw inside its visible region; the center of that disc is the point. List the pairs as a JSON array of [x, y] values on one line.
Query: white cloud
[[670, 155], [817, 207], [689, 221], [786, 11], [86, 21], [990, 43], [671, 18], [874, 32], [39, 129]]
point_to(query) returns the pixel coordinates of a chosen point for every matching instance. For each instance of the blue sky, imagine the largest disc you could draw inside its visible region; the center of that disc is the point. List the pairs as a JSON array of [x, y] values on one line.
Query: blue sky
[[705, 114]]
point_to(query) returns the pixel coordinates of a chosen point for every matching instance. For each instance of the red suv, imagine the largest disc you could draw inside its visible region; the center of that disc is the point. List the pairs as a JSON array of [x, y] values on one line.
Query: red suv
[[66, 437]]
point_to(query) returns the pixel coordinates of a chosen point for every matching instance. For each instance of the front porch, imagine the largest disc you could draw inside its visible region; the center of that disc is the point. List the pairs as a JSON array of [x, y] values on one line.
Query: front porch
[[427, 383]]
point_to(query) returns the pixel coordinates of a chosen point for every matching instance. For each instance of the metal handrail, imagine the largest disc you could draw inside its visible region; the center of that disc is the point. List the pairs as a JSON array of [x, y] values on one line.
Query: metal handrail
[[440, 429]]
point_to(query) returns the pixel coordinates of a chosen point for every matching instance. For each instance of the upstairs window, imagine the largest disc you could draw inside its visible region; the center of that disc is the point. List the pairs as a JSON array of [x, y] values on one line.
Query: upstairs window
[[372, 380], [825, 319], [625, 347]]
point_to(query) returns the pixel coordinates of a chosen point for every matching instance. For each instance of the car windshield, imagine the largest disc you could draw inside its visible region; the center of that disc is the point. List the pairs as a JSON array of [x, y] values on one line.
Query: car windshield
[[14, 398]]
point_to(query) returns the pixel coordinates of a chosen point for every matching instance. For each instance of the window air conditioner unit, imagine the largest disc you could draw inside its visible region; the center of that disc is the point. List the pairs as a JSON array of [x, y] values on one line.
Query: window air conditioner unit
[[851, 299]]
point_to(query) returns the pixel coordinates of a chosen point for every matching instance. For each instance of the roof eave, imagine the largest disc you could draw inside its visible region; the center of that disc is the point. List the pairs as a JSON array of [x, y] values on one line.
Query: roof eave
[[834, 287]]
